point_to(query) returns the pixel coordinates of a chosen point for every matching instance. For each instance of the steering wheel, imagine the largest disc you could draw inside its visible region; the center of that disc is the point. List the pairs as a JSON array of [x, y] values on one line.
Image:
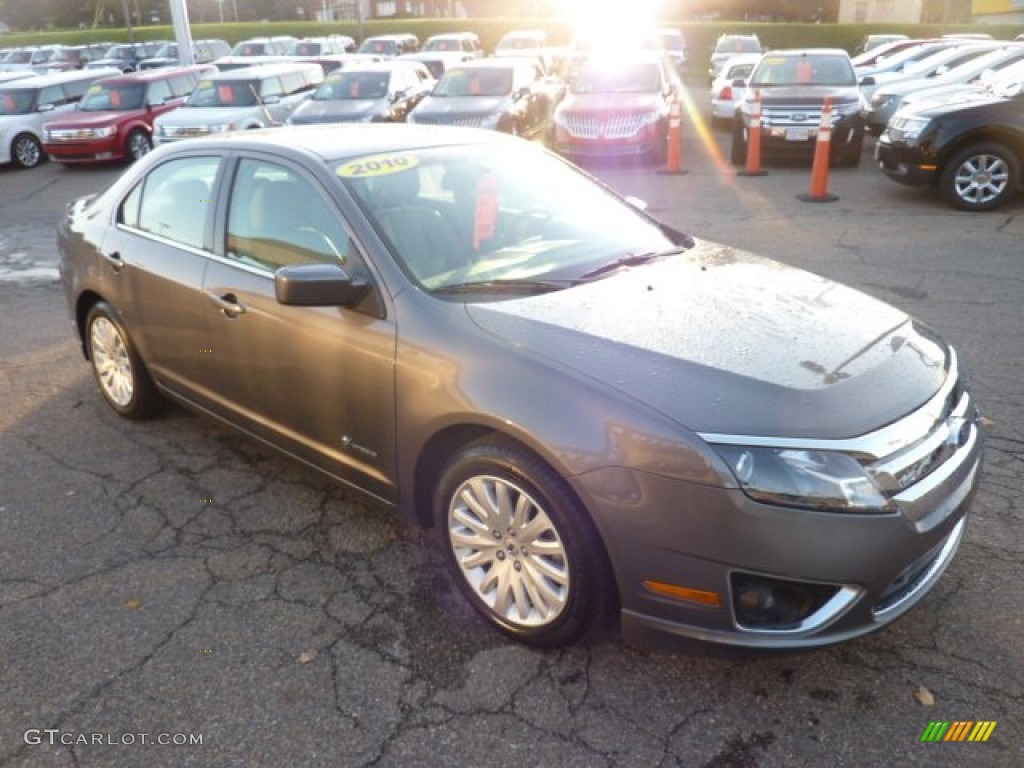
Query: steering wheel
[[529, 223]]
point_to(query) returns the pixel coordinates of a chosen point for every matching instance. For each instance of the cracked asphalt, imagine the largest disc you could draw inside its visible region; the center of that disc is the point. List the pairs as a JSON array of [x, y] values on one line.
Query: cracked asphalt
[[172, 581]]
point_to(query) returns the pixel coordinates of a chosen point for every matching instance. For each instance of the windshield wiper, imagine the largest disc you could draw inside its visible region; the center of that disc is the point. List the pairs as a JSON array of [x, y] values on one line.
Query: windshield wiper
[[630, 260], [504, 285]]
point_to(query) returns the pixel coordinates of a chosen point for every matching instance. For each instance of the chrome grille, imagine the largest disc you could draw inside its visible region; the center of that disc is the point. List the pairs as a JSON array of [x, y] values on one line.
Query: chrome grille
[[184, 132], [611, 127], [69, 134], [462, 122]]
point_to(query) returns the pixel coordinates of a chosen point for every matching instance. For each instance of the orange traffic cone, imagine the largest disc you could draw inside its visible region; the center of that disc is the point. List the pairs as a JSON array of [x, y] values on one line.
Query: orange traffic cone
[[753, 164], [674, 156], [818, 191]]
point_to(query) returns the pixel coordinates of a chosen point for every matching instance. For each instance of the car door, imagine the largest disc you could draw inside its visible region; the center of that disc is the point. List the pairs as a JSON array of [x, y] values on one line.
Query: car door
[[155, 257], [317, 381]]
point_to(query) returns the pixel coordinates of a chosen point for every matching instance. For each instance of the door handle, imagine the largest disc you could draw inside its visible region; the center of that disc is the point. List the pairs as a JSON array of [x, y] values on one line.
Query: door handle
[[228, 304], [114, 260]]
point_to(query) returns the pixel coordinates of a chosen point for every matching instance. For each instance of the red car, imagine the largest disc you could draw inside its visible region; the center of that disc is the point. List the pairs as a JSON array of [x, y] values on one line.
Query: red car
[[114, 120], [618, 107]]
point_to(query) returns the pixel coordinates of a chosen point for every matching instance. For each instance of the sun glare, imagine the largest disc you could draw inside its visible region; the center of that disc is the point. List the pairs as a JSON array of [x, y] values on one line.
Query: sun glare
[[606, 23]]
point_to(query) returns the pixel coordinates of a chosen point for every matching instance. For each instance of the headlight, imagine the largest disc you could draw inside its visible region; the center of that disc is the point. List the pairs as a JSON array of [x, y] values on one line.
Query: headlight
[[906, 127], [102, 133], [822, 480], [219, 127]]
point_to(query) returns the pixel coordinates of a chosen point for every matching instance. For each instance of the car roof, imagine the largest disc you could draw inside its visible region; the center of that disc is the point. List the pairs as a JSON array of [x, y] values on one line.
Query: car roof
[[59, 78], [150, 75], [335, 142], [269, 69]]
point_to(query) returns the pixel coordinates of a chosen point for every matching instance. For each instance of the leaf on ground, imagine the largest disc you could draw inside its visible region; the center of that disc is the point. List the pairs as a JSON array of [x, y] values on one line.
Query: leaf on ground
[[308, 655], [133, 603], [924, 697], [985, 422]]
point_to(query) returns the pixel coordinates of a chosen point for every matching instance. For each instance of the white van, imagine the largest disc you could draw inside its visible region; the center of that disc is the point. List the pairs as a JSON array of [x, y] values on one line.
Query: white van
[[254, 97], [26, 104]]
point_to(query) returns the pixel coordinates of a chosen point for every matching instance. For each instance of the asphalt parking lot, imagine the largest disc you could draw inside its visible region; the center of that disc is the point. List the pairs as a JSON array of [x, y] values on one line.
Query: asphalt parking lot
[[173, 594]]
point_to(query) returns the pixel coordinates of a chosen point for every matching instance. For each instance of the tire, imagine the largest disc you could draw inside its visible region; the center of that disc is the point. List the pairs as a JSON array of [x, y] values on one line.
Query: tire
[[539, 575], [738, 152], [26, 151], [980, 177], [849, 157], [120, 373], [138, 145]]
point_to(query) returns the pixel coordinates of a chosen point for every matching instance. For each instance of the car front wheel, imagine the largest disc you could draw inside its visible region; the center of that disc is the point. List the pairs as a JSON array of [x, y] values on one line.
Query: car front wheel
[[139, 144], [521, 548], [119, 371], [980, 177]]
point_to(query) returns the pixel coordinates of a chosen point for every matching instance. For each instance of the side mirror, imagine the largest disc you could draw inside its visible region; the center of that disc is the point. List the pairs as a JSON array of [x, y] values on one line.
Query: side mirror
[[398, 95], [522, 93], [318, 285], [869, 80], [272, 100], [46, 108]]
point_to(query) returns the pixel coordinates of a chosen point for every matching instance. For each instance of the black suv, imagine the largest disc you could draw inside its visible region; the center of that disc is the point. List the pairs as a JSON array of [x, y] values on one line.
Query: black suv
[[793, 85], [972, 148]]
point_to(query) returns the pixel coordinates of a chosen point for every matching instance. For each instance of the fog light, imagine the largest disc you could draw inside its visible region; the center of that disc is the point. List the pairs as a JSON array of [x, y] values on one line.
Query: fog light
[[765, 603]]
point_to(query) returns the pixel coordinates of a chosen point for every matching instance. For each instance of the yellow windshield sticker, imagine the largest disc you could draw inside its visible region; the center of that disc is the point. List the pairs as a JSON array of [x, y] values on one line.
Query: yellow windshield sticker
[[95, 89], [378, 165]]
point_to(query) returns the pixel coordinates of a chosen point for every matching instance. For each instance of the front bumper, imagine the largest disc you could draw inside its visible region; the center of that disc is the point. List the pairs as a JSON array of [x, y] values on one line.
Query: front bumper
[[789, 140], [864, 570], [91, 151], [904, 163]]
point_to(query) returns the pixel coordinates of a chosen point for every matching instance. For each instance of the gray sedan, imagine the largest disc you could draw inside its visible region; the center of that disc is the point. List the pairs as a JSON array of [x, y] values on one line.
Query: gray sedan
[[599, 415]]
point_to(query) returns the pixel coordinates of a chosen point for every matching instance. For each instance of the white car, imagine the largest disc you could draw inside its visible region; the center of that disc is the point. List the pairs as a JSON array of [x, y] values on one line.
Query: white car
[[725, 94], [254, 97], [27, 103]]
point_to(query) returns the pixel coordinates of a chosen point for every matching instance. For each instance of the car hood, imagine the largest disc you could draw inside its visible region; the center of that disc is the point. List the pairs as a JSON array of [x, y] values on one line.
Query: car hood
[[461, 105], [970, 99], [725, 342], [93, 119], [193, 116], [331, 111], [806, 94], [610, 103]]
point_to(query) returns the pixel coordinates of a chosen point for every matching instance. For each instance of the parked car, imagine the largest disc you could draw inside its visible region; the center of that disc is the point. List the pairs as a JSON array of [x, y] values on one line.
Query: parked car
[[898, 63], [673, 43], [241, 99], [331, 62], [508, 94], [618, 107], [127, 57], [934, 65], [371, 93], [69, 57], [204, 51], [871, 42], [114, 120], [727, 89], [888, 98], [264, 46], [17, 59], [389, 46], [595, 412], [321, 46], [231, 63], [793, 85], [16, 74], [970, 148], [454, 43], [27, 103], [728, 46], [525, 43]]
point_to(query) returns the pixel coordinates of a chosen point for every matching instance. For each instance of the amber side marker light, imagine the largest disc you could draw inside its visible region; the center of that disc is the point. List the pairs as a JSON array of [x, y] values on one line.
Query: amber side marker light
[[698, 596]]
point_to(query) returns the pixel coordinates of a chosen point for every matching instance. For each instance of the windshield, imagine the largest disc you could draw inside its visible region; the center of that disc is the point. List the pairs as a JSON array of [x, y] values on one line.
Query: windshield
[[738, 45], [443, 45], [637, 78], [104, 98], [490, 81], [236, 93], [18, 57], [382, 47], [520, 42], [251, 49], [167, 51], [305, 49], [353, 85], [16, 102], [480, 217], [803, 70], [43, 56]]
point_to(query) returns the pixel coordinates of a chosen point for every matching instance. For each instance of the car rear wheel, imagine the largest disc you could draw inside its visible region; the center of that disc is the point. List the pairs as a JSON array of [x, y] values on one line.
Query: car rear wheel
[[139, 144], [521, 548], [980, 177], [26, 151], [119, 371]]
